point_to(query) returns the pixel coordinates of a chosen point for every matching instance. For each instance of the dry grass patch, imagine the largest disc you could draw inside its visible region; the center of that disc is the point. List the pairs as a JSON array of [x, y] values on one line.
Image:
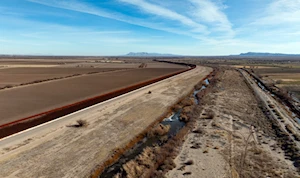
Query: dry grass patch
[[159, 130], [79, 123], [259, 164], [208, 114]]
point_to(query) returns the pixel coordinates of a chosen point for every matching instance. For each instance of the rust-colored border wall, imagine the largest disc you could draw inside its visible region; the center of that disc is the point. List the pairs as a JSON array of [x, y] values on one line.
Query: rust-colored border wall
[[28, 122]]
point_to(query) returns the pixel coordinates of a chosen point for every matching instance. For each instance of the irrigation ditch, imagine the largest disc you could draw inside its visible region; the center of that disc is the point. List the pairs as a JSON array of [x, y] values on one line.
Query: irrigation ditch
[[151, 153]]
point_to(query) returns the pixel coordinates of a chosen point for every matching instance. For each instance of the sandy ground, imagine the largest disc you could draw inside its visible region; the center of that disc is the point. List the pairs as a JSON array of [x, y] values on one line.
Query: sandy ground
[[55, 150], [215, 147]]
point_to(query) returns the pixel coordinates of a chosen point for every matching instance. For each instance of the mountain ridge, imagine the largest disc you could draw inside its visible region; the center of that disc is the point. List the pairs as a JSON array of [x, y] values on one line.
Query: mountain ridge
[[266, 54]]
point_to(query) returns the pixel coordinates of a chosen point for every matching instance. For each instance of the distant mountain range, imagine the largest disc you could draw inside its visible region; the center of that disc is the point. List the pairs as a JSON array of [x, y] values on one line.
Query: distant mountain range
[[266, 54], [142, 54], [249, 54]]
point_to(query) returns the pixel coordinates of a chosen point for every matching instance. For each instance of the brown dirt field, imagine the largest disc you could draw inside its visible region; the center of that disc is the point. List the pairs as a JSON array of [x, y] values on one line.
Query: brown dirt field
[[282, 78], [94, 64], [277, 70], [285, 75], [17, 76], [122, 64], [38, 61], [25, 101], [287, 78], [29, 62], [256, 67]]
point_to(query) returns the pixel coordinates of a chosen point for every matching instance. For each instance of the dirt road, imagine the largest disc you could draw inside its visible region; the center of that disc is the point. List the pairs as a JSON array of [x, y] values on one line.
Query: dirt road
[[56, 150], [237, 140], [275, 108]]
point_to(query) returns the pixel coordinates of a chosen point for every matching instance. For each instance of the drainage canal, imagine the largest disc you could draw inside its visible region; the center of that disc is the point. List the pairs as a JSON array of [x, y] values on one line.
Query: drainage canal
[[174, 125]]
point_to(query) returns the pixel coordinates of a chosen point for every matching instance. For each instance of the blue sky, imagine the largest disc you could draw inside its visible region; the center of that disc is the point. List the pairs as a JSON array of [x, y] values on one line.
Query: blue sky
[[116, 27]]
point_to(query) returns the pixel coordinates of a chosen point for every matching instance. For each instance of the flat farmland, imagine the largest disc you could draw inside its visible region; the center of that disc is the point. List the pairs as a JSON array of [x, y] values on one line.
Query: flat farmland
[[270, 70], [10, 77], [28, 100], [285, 77], [122, 64]]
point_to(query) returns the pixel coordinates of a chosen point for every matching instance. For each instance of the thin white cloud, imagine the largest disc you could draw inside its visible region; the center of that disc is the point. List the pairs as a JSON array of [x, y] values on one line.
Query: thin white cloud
[[165, 13], [71, 31], [275, 29], [84, 8], [164, 20], [281, 12], [116, 40], [36, 32], [210, 12], [75, 6]]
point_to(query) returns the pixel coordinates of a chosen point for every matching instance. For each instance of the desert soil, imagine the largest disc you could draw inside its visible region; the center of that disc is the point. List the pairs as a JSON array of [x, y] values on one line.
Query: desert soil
[[58, 150], [216, 147]]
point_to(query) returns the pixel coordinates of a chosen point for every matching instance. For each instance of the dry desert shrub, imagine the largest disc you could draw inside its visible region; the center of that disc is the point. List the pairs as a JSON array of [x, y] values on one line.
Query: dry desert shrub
[[198, 131], [198, 86], [184, 118], [189, 112], [158, 174], [196, 146], [189, 162], [176, 108], [159, 130], [253, 162], [260, 164], [208, 114], [187, 173], [142, 165], [81, 123], [187, 102], [167, 165]]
